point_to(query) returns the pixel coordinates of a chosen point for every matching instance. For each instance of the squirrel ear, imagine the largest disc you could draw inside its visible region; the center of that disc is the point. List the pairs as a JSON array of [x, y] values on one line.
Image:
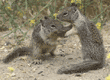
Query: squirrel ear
[[45, 17], [73, 4], [41, 20]]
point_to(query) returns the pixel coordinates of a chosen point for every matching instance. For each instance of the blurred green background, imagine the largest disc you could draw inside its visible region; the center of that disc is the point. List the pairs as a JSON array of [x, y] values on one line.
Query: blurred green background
[[15, 14]]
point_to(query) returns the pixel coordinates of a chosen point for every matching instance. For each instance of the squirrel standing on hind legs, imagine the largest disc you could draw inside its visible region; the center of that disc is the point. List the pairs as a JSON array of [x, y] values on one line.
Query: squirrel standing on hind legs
[[91, 41], [44, 40]]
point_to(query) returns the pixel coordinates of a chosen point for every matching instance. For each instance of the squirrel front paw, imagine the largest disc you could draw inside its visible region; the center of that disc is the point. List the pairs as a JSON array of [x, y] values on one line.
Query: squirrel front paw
[[37, 62]]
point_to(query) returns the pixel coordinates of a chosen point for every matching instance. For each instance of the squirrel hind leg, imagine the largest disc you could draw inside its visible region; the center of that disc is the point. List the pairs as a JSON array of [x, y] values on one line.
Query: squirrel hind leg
[[80, 68]]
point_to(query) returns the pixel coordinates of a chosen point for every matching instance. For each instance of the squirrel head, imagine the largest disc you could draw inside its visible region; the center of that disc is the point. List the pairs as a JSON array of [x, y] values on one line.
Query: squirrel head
[[67, 13], [45, 18], [53, 27]]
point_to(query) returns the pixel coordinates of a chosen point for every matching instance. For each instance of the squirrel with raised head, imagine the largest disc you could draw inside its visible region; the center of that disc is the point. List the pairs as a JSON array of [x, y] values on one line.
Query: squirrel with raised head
[[44, 40], [91, 41]]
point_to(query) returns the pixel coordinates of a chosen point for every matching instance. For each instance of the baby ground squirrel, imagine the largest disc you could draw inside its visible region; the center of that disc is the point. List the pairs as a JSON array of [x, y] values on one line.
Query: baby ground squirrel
[[91, 41], [44, 40]]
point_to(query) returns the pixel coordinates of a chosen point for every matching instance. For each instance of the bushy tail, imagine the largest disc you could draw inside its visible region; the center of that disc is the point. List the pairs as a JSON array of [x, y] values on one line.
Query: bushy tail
[[16, 53], [81, 67]]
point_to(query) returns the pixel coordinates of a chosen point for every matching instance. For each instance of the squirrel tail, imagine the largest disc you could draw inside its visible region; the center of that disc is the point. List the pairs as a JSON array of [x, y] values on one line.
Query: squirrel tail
[[81, 67], [16, 53]]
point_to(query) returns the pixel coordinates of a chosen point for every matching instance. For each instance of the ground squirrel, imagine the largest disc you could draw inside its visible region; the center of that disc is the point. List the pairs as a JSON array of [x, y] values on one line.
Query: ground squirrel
[[91, 41], [44, 40]]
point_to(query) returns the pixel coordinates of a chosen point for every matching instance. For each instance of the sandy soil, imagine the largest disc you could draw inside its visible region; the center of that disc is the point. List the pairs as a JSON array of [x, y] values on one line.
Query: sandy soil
[[68, 52]]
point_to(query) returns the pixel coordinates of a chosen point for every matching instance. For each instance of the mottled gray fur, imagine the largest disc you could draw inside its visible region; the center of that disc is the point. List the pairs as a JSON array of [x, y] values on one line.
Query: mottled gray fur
[[91, 40], [44, 40]]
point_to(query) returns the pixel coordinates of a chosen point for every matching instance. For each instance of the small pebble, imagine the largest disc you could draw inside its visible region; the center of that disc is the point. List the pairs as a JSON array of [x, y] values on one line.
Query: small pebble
[[40, 72], [13, 75], [34, 69], [7, 43], [5, 50], [29, 65]]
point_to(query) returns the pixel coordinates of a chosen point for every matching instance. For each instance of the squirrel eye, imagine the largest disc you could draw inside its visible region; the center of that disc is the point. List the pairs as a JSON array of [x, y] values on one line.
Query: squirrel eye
[[45, 17], [65, 14], [53, 26]]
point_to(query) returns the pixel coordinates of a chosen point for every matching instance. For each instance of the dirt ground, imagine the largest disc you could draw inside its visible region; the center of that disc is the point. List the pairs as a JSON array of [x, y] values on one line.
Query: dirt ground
[[67, 52]]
